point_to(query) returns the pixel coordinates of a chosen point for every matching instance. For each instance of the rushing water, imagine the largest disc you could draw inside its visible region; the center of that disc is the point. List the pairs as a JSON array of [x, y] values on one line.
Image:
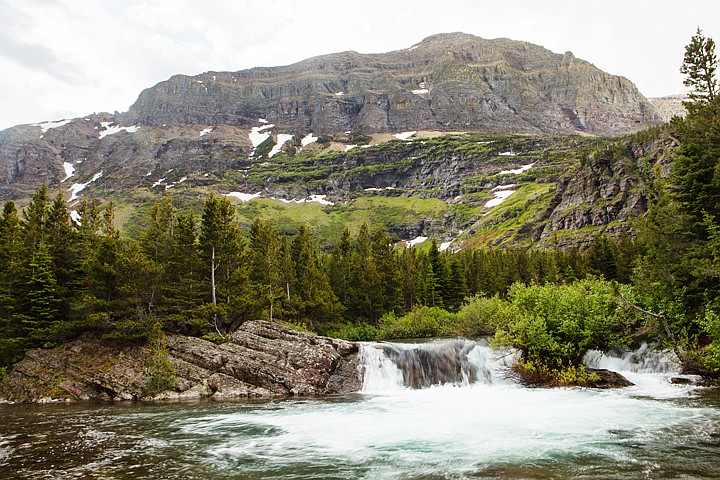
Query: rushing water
[[477, 424]]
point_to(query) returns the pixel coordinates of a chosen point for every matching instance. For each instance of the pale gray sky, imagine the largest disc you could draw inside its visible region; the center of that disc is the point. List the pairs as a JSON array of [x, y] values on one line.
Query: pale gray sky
[[68, 58]]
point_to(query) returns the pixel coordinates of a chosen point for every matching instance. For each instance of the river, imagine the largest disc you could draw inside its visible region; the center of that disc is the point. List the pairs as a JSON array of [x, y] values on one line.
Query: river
[[476, 423]]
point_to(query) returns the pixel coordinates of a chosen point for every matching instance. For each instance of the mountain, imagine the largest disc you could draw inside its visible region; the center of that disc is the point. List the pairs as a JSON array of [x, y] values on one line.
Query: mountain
[[344, 138], [446, 82]]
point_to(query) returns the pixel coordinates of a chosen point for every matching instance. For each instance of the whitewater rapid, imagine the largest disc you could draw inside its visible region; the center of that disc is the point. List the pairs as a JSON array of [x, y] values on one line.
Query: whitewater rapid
[[441, 410]]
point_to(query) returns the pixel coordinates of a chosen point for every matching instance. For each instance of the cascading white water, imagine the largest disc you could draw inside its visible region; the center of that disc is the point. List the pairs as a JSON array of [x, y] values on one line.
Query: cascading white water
[[471, 423], [388, 367], [649, 367], [646, 359]]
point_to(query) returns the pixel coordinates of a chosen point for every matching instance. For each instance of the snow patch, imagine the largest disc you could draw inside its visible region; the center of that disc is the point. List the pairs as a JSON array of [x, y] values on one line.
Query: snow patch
[[261, 120], [69, 170], [404, 135], [282, 139], [206, 131], [374, 189], [75, 216], [421, 91], [500, 197], [245, 197], [308, 139], [339, 94], [157, 184], [505, 187], [79, 187], [45, 126], [349, 147], [444, 246], [507, 154], [109, 129], [517, 171], [321, 199], [415, 241], [168, 187], [257, 136]]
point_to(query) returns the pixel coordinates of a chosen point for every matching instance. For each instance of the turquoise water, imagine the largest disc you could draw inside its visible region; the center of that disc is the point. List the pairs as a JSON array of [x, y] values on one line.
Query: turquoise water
[[493, 429]]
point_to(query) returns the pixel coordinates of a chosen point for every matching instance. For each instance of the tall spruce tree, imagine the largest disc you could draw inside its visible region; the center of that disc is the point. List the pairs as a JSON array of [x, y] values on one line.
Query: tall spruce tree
[[699, 66]]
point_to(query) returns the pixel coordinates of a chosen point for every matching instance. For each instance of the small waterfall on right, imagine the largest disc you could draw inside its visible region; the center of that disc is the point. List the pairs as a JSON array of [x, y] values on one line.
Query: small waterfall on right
[[397, 366], [648, 367]]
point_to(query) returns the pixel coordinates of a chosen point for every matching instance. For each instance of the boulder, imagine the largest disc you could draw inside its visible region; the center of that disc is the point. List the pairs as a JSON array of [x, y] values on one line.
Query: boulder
[[261, 359]]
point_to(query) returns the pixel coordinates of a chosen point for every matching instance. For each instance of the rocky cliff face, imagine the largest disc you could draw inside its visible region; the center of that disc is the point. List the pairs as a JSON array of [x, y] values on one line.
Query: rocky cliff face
[[446, 82], [261, 359]]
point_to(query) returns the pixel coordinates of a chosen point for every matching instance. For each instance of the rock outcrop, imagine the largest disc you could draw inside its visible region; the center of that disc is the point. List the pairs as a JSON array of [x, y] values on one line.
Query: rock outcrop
[[261, 359]]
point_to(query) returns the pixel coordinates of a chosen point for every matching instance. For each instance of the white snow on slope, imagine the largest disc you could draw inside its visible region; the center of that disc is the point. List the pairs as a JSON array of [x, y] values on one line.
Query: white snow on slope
[[257, 136], [421, 91], [518, 171], [282, 139], [245, 197], [113, 129], [45, 126], [308, 139], [206, 131], [79, 187], [168, 187], [349, 147], [321, 199], [69, 170], [500, 196], [507, 154], [415, 241], [404, 135], [157, 184], [75, 216]]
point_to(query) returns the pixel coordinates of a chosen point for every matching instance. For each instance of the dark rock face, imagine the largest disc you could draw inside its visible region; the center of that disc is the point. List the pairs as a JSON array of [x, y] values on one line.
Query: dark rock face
[[261, 359], [446, 82]]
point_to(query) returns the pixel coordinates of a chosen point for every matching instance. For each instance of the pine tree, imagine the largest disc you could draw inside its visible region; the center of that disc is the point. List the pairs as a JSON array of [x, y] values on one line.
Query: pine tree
[[222, 249], [266, 260], [700, 64]]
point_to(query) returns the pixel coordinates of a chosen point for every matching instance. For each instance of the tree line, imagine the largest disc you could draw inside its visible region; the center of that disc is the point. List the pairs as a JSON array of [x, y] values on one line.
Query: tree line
[[205, 275]]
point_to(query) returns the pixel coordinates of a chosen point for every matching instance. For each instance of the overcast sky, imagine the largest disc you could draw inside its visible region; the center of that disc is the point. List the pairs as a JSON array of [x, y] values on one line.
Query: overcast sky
[[68, 58]]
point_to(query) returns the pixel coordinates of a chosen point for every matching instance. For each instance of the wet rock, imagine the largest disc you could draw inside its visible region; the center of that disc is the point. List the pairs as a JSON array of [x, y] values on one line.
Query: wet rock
[[261, 359], [608, 379]]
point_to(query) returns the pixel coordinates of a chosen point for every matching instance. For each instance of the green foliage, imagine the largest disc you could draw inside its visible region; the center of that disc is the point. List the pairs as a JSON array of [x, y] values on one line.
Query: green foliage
[[158, 371], [480, 315], [699, 66], [554, 326], [422, 322]]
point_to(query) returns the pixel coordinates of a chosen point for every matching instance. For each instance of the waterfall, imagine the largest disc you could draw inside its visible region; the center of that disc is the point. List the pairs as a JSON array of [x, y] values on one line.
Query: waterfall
[[646, 359], [396, 366]]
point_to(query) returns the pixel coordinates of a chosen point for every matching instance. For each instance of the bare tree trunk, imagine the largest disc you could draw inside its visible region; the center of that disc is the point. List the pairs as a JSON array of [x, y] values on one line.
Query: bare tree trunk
[[212, 275]]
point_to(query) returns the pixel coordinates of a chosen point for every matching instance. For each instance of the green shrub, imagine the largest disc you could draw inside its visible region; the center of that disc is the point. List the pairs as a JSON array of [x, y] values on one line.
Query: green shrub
[[555, 325], [361, 332], [480, 315], [421, 322]]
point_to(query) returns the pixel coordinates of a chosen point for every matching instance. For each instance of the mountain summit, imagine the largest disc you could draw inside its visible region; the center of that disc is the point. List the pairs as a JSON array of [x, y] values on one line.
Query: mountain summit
[[446, 82]]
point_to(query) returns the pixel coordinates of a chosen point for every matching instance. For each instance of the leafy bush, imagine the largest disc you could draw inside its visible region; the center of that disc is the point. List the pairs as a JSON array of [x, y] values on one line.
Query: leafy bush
[[421, 322], [481, 315], [360, 332], [555, 325]]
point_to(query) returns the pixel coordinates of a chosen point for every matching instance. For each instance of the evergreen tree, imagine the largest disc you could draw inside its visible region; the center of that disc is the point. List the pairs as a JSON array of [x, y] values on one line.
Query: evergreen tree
[[266, 255], [700, 64], [223, 252]]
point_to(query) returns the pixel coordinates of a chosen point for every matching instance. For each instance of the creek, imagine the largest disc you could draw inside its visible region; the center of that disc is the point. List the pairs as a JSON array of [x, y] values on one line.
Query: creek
[[444, 409]]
